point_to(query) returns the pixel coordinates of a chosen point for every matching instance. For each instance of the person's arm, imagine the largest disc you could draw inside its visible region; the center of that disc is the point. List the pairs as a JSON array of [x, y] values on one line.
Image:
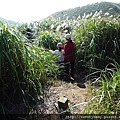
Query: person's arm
[[65, 51], [52, 51]]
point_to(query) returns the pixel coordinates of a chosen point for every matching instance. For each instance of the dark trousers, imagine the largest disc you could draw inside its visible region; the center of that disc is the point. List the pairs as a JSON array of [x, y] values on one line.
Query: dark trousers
[[69, 68]]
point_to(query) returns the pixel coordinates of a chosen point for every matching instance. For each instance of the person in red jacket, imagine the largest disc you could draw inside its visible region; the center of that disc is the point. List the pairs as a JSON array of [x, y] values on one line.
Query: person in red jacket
[[69, 55]]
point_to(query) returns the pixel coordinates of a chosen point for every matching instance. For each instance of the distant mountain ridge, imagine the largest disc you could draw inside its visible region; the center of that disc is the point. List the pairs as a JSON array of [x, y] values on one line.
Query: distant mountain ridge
[[105, 7], [7, 21]]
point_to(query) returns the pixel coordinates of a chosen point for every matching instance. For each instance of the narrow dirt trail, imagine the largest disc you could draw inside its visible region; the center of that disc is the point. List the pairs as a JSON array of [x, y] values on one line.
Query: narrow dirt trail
[[77, 93]]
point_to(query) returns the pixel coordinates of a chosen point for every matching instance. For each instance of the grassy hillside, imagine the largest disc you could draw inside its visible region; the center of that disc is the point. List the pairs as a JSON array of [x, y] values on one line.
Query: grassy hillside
[[105, 7]]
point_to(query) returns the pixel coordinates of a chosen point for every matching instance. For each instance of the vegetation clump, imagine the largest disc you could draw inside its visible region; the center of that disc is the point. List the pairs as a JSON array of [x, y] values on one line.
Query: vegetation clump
[[24, 69]]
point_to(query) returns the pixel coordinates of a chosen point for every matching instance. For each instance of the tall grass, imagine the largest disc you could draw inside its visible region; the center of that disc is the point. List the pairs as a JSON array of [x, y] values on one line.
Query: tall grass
[[23, 69], [97, 41], [107, 97], [49, 39]]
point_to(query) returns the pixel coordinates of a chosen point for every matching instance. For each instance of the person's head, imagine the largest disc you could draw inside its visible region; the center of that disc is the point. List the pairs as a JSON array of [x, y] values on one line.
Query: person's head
[[59, 45], [68, 37]]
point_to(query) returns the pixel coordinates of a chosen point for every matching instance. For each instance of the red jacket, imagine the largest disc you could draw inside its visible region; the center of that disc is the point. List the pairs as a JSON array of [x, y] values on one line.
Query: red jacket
[[69, 51]]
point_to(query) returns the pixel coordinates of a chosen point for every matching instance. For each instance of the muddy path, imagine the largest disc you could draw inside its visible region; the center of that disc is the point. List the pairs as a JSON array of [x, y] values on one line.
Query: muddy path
[[77, 93]]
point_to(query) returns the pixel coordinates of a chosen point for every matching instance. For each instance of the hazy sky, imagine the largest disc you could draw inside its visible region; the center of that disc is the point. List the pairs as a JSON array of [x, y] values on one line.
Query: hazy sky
[[28, 10]]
